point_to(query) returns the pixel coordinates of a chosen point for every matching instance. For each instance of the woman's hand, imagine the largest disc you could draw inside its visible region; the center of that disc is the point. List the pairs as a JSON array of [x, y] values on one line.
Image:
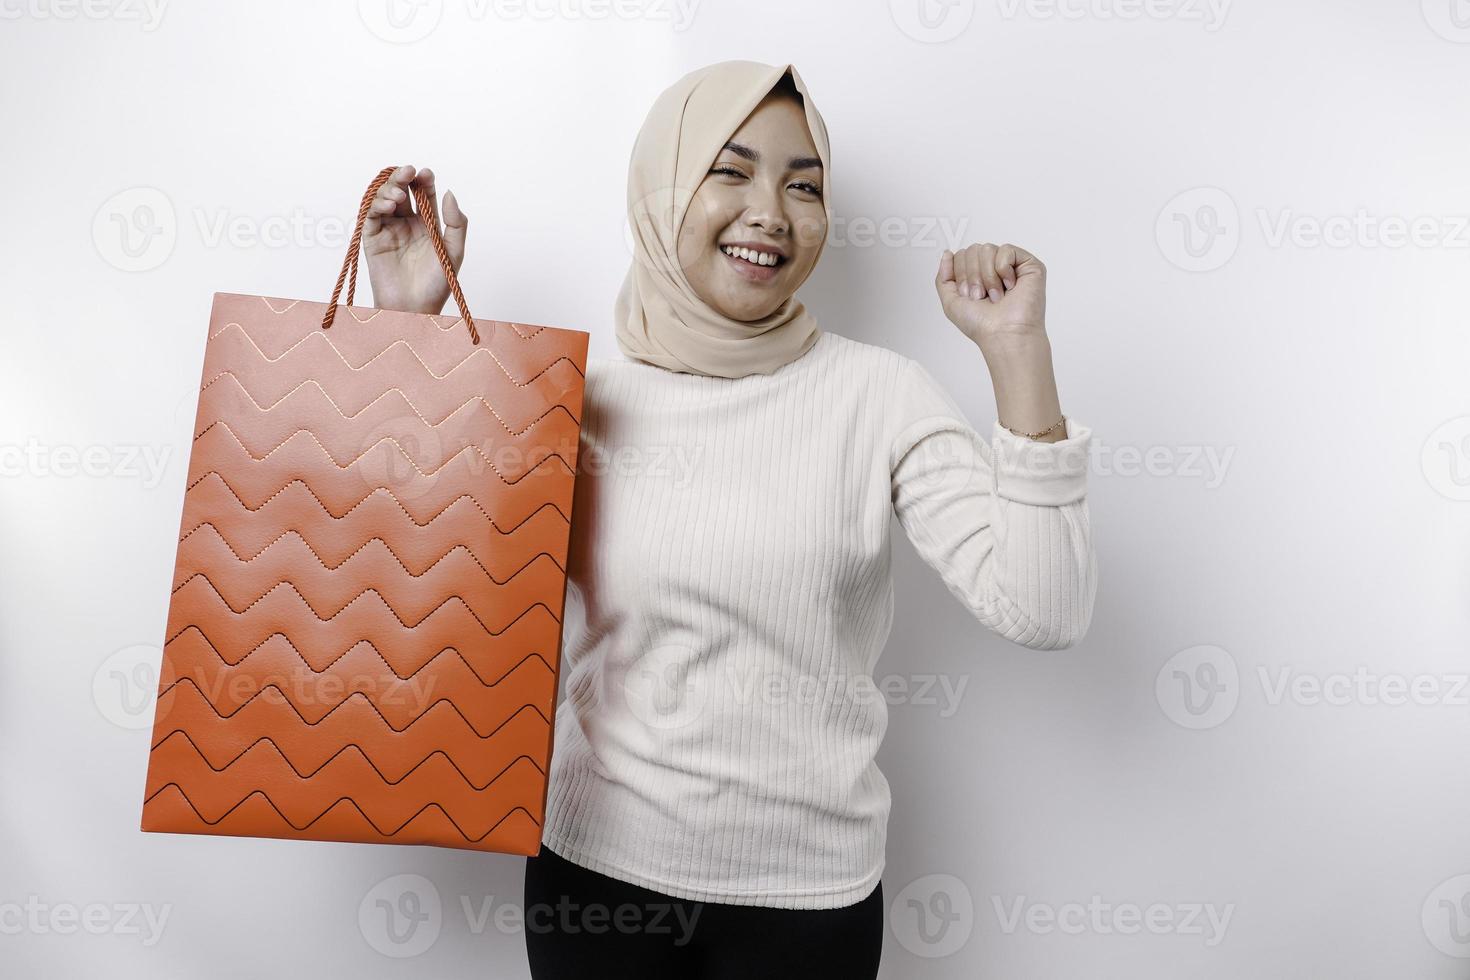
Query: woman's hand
[[403, 270], [995, 294]]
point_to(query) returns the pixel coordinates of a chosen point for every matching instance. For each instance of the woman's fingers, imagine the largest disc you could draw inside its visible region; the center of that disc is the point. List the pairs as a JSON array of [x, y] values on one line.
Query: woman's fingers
[[974, 282], [395, 191], [967, 271], [452, 224], [990, 284], [1006, 260], [424, 181], [391, 200], [986, 270], [946, 270]]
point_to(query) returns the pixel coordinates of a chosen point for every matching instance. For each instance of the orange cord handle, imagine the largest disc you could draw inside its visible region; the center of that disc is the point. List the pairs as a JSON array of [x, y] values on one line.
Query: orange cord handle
[[430, 218]]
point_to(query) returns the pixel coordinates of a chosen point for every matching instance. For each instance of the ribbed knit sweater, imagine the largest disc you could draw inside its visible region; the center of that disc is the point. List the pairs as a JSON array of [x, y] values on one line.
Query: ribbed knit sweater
[[729, 591]]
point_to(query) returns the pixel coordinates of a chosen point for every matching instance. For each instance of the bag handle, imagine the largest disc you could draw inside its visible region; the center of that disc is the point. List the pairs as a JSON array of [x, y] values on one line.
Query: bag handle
[[430, 218]]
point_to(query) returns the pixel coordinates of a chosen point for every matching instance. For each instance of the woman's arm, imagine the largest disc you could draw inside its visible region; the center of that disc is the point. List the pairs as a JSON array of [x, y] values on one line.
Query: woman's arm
[[1006, 524]]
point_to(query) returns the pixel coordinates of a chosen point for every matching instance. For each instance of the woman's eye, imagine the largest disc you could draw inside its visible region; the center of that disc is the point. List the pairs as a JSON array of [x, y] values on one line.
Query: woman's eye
[[804, 185]]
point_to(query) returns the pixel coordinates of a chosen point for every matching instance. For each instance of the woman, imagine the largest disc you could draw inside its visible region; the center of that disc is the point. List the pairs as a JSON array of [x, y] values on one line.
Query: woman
[[730, 549]]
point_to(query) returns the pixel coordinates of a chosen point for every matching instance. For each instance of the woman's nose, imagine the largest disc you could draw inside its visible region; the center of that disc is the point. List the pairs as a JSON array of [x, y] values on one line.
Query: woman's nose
[[766, 211]]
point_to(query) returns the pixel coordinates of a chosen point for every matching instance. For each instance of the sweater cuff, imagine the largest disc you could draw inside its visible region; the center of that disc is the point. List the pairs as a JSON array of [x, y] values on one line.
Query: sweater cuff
[[1045, 473]]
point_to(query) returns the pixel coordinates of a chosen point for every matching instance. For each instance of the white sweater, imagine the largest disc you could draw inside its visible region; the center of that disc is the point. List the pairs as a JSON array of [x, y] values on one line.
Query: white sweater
[[729, 591]]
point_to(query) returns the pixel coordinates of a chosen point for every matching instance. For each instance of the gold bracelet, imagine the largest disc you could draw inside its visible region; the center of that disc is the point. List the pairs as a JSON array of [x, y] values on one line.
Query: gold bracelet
[[1034, 435]]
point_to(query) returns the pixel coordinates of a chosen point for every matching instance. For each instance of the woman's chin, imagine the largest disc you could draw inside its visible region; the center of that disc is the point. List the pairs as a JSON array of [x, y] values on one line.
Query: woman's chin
[[748, 308], [744, 300]]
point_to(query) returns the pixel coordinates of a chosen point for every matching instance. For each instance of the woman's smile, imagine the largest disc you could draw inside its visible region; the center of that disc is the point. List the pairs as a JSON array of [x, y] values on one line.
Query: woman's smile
[[753, 262]]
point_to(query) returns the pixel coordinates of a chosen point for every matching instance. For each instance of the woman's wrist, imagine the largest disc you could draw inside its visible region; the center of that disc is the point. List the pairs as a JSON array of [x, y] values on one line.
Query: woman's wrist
[[1024, 381]]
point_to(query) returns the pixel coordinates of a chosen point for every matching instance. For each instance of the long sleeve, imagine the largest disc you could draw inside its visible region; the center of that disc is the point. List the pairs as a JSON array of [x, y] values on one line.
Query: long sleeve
[[1005, 525]]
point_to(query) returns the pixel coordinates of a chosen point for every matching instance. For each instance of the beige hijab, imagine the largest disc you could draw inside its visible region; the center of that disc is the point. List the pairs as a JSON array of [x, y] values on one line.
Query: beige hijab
[[659, 318]]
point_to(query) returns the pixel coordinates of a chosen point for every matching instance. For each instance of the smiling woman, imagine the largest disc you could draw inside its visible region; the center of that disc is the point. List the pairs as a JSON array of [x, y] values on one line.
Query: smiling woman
[[728, 161], [696, 783]]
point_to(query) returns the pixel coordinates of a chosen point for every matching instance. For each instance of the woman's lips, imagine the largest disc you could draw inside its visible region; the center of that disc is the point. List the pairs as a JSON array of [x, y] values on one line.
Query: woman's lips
[[751, 271]]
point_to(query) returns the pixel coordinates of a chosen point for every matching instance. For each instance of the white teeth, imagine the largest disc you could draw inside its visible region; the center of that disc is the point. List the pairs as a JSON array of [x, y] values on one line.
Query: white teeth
[[759, 258]]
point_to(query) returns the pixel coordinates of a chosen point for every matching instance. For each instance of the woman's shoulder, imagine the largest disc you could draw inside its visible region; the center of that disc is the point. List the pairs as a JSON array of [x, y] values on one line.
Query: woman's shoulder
[[878, 379], [871, 356]]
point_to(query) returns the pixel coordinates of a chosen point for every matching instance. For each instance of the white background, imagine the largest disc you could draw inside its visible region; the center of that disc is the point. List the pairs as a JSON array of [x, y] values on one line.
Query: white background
[[1280, 486]]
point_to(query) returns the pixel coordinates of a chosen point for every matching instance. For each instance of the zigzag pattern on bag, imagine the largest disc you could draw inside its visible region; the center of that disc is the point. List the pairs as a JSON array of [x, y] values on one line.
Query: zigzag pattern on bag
[[364, 632]]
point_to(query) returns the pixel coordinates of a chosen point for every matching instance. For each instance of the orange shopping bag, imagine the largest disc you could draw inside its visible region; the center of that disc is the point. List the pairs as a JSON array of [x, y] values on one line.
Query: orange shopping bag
[[364, 633]]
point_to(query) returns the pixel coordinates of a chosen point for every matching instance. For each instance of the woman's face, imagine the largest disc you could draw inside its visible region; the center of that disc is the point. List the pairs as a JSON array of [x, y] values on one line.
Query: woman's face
[[763, 191]]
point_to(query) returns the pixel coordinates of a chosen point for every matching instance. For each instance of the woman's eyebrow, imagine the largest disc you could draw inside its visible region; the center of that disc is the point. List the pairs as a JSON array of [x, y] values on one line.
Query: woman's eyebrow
[[796, 163]]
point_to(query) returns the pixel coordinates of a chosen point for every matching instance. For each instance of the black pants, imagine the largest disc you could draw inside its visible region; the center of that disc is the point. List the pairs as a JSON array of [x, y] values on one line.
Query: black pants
[[580, 923]]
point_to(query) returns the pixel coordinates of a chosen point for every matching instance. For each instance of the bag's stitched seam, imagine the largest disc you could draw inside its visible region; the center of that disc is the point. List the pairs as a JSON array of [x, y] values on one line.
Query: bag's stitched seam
[[360, 751], [331, 663], [355, 806], [344, 467], [386, 392], [363, 366], [386, 545], [376, 490], [404, 452], [370, 589], [338, 707]]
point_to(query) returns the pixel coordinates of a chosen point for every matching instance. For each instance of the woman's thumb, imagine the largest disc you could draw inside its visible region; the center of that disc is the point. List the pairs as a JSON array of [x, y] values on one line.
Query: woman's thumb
[[456, 225]]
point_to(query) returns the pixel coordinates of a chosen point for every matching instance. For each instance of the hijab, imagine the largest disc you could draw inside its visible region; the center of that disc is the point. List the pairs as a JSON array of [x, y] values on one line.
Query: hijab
[[659, 318]]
